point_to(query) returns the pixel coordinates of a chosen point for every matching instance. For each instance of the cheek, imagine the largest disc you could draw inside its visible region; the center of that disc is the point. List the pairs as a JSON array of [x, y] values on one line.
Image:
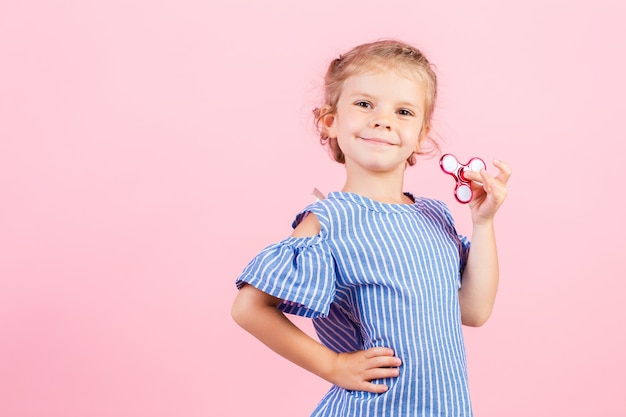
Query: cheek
[[417, 137], [415, 132], [348, 126]]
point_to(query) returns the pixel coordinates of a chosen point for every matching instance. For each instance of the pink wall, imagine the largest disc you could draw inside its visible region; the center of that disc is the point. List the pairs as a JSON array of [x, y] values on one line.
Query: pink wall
[[148, 149]]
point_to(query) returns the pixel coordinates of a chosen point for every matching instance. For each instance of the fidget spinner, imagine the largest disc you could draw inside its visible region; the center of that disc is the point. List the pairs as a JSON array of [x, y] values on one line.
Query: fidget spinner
[[450, 165]]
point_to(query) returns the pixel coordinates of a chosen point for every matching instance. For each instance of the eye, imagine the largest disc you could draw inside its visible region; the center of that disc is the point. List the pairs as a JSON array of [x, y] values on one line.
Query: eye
[[364, 104], [405, 112]]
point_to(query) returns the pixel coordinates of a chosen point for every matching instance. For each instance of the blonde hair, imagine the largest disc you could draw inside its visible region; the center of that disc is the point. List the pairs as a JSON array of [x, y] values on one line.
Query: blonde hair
[[380, 55]]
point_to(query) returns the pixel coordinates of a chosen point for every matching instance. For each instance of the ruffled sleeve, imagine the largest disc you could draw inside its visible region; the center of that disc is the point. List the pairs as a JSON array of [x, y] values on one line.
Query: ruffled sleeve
[[299, 271]]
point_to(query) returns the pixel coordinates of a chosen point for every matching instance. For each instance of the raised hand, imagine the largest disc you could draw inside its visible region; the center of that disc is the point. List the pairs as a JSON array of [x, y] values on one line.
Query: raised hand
[[489, 192]]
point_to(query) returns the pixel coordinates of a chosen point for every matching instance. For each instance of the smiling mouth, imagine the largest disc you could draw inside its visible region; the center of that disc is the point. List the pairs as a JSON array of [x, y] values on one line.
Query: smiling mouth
[[376, 141]]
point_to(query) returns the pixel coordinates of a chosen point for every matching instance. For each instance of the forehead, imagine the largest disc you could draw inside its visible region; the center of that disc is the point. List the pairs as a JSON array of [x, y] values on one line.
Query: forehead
[[387, 83]]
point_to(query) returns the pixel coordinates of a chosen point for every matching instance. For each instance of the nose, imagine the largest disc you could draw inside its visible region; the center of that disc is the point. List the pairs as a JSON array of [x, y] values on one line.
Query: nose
[[381, 119]]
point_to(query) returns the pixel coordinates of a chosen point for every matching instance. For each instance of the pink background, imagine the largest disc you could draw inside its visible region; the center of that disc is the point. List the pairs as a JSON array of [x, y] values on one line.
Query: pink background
[[148, 149]]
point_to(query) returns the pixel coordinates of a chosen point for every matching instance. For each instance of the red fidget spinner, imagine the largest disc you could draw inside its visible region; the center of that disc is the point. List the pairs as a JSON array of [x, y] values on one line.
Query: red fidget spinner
[[450, 165]]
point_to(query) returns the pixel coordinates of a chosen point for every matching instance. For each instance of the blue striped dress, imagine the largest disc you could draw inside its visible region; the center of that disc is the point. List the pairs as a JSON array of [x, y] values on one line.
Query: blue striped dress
[[379, 275]]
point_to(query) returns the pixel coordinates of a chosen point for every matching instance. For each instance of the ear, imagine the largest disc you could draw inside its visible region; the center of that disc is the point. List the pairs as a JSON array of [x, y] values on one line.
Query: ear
[[328, 122]]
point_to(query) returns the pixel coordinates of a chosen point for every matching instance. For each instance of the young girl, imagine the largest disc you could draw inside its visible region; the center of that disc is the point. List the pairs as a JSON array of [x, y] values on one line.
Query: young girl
[[384, 275]]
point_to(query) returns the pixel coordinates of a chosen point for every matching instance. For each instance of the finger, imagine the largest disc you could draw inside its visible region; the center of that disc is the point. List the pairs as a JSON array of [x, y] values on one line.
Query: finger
[[495, 188], [503, 174], [378, 351], [381, 373], [384, 362], [478, 182], [474, 176], [374, 388], [486, 180], [490, 184], [505, 170], [381, 358]]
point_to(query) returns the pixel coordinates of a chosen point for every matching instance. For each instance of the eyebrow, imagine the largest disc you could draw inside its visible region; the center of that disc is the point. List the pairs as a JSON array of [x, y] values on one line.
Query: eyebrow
[[369, 96], [409, 104]]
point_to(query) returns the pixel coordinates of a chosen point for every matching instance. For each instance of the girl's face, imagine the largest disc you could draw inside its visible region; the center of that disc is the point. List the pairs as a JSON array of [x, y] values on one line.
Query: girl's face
[[379, 120]]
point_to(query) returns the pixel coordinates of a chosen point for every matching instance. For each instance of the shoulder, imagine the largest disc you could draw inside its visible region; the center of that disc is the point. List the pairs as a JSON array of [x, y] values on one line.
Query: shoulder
[[431, 203], [314, 218], [321, 216], [433, 207], [309, 225]]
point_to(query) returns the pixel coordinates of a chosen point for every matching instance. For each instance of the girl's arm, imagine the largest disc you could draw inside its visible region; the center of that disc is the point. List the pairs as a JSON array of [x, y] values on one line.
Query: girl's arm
[[257, 312], [480, 277]]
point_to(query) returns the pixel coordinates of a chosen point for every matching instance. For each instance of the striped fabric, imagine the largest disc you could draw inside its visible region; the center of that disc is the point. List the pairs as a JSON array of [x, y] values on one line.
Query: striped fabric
[[379, 275]]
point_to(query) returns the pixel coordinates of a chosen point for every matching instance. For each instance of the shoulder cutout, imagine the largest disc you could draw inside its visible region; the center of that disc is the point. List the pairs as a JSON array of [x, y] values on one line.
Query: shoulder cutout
[[309, 226]]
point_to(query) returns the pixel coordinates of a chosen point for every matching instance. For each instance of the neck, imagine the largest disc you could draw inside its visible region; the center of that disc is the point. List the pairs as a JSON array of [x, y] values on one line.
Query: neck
[[384, 187]]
